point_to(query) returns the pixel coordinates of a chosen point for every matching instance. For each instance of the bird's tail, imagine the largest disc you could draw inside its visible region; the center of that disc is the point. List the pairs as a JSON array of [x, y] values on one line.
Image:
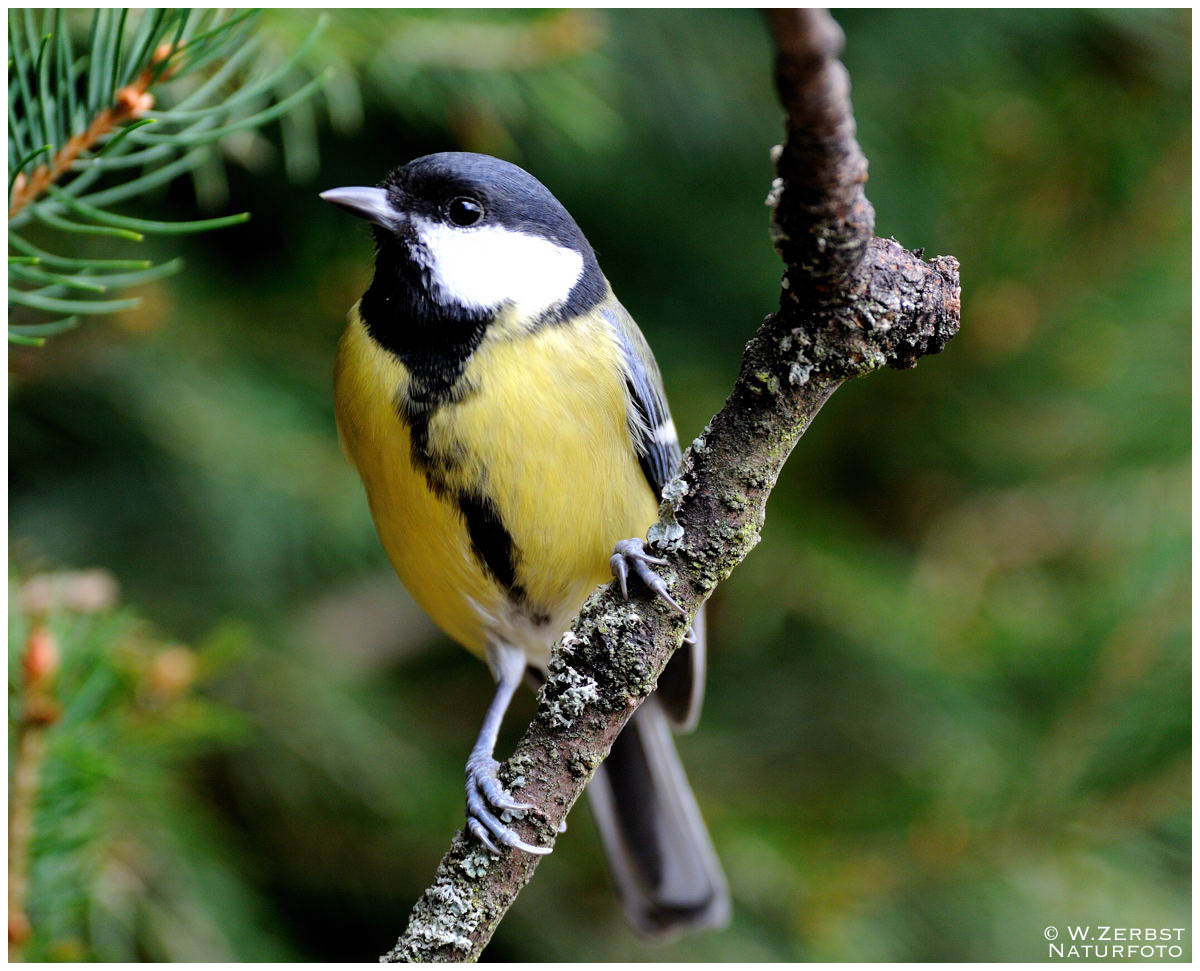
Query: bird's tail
[[660, 854]]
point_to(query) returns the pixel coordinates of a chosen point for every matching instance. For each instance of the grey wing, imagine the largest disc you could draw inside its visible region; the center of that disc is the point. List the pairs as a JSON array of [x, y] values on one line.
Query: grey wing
[[649, 418], [681, 686]]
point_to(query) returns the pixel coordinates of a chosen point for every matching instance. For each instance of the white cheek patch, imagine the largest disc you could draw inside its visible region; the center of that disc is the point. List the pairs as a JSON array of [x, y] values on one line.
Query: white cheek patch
[[491, 266]]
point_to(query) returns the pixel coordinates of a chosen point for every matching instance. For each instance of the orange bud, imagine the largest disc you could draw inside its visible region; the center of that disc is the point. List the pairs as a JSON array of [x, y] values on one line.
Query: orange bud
[[172, 671], [132, 101], [18, 927], [41, 656]]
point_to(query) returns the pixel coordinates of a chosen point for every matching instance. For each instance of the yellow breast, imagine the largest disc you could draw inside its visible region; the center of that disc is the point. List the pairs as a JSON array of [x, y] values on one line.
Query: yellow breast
[[542, 434]]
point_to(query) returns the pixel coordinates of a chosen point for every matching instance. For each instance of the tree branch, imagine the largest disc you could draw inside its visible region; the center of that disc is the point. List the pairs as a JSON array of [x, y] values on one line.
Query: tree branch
[[850, 304]]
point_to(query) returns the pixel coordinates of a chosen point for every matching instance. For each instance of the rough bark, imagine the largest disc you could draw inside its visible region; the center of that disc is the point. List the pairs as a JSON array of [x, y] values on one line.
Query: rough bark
[[850, 303]]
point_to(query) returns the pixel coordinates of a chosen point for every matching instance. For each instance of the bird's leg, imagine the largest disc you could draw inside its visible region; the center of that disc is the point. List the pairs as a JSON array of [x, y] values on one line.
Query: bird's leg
[[484, 792], [633, 552]]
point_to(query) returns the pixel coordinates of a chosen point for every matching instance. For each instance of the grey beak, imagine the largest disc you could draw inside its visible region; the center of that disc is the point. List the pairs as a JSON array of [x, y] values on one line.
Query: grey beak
[[371, 204]]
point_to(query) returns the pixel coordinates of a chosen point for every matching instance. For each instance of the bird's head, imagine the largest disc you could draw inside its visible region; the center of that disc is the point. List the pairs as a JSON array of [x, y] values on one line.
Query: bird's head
[[461, 235]]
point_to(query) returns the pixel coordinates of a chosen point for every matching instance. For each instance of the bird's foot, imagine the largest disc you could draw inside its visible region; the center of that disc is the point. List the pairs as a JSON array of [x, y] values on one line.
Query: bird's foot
[[632, 552], [486, 798]]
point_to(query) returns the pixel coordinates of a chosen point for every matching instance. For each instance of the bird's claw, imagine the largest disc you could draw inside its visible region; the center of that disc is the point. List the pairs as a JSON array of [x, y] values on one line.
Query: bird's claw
[[633, 551], [485, 794]]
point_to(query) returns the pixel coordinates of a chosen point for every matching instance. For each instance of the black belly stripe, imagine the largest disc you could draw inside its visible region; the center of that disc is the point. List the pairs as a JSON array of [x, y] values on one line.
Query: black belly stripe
[[417, 410], [491, 543], [435, 467]]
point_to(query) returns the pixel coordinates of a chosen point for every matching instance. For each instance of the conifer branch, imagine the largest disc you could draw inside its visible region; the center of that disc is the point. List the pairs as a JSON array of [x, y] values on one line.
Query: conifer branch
[[38, 711], [75, 121], [132, 102]]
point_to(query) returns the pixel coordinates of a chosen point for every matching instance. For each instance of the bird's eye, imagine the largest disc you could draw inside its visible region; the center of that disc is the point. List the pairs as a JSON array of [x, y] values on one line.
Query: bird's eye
[[464, 212]]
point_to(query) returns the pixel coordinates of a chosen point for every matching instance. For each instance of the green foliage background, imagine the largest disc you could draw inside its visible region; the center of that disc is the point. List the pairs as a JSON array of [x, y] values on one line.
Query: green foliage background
[[949, 695]]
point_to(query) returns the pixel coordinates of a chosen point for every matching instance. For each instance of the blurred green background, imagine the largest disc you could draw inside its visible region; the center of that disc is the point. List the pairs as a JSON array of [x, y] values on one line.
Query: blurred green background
[[949, 694]]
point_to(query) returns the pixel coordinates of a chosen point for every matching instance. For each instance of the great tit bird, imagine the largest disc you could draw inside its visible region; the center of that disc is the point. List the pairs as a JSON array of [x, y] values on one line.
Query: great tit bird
[[509, 424]]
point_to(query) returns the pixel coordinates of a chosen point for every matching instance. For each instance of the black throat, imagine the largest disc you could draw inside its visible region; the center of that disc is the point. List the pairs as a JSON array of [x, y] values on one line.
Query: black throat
[[432, 341]]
